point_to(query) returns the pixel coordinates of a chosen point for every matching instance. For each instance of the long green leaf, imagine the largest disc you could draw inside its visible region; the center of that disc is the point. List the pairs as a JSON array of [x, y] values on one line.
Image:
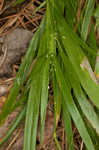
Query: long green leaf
[[68, 126], [26, 89], [57, 99], [91, 40], [33, 106], [72, 107], [79, 61], [87, 18], [22, 74], [14, 125], [82, 100], [32, 116], [57, 106], [39, 7], [44, 97], [70, 9]]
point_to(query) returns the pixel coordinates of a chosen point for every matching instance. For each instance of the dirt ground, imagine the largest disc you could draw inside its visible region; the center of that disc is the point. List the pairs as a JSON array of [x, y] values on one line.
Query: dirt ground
[[16, 30]]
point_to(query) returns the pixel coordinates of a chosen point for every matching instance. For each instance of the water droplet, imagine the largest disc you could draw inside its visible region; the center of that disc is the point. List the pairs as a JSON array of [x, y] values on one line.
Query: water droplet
[[47, 56], [55, 69], [63, 37], [52, 55], [18, 81]]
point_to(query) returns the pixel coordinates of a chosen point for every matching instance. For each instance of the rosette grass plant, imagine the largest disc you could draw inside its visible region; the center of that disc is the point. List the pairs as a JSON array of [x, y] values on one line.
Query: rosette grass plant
[[66, 59]]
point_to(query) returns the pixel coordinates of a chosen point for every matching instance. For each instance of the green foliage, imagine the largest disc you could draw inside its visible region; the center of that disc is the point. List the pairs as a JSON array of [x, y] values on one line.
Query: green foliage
[[66, 56], [18, 2], [87, 18], [96, 15], [14, 125]]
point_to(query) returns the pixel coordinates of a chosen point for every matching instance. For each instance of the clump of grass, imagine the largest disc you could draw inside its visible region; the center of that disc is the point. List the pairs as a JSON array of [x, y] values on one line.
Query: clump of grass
[[66, 57]]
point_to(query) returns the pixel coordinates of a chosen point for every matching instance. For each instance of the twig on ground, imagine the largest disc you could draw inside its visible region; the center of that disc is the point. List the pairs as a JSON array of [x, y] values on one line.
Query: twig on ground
[[5, 47]]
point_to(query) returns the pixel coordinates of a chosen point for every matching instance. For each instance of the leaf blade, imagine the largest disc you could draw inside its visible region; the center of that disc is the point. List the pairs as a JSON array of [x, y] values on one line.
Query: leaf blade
[[72, 108]]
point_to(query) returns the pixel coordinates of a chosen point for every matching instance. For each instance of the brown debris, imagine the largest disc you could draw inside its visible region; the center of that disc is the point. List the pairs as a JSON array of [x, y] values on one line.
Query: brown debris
[[24, 18]]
